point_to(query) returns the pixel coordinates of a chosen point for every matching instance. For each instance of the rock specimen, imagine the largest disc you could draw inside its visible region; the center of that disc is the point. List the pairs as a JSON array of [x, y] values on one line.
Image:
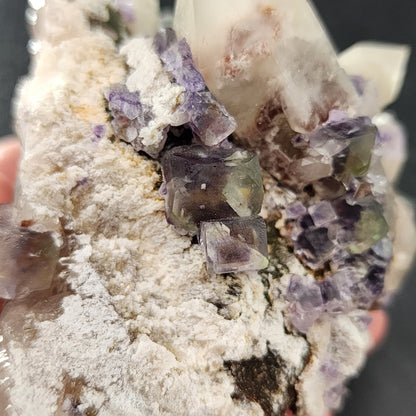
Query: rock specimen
[[242, 125]]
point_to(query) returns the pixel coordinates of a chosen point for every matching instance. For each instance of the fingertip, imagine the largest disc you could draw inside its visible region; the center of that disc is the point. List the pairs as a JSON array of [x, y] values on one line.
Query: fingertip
[[10, 152], [6, 189], [378, 327]]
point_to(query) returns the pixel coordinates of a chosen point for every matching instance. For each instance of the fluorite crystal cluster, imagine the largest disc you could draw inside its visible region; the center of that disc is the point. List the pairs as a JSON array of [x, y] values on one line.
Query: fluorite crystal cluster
[[216, 194], [211, 180], [192, 103], [243, 130]]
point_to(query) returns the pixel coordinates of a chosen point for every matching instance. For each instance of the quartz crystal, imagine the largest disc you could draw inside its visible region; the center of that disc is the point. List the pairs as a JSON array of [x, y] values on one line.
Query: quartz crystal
[[254, 52], [205, 184], [234, 244], [381, 64]]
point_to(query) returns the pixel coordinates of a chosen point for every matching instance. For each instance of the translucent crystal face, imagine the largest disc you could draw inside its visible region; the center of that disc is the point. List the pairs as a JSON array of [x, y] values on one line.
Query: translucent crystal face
[[143, 118], [255, 51], [28, 259], [206, 184], [234, 244]]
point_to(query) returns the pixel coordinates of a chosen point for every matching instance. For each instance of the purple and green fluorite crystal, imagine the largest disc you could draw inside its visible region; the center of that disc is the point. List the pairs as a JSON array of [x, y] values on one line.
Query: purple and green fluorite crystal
[[204, 184]]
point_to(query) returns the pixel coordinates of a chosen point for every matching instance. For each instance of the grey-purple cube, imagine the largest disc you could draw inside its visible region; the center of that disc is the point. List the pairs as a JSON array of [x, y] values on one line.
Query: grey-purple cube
[[207, 184], [234, 244]]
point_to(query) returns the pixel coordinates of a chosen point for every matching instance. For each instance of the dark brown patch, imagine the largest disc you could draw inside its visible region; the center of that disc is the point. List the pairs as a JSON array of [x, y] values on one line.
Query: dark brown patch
[[263, 380], [27, 223]]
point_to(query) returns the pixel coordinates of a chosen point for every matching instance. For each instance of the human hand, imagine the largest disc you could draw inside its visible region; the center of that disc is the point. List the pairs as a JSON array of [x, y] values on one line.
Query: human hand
[[9, 160], [10, 151]]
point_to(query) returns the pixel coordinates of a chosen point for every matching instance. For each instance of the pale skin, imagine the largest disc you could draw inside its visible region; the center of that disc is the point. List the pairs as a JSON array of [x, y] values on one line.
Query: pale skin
[[10, 152]]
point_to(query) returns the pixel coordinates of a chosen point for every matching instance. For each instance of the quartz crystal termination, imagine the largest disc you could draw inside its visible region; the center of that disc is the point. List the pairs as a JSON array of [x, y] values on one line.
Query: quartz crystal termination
[[240, 51]]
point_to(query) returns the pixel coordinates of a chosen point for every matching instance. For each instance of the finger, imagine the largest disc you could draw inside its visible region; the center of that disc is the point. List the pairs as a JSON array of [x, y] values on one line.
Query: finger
[[378, 328], [9, 159]]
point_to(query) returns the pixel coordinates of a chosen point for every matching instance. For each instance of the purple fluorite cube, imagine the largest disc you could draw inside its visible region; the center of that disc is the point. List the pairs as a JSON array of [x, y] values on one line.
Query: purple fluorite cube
[[176, 57], [322, 213], [210, 121], [234, 244], [306, 302], [206, 184]]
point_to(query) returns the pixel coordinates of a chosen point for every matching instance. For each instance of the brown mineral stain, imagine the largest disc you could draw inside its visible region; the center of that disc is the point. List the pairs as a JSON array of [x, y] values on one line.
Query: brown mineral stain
[[89, 113], [71, 395], [26, 223], [268, 10]]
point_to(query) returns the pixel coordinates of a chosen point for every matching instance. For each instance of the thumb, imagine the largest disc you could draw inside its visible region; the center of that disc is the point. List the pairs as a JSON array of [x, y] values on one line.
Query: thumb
[[10, 151]]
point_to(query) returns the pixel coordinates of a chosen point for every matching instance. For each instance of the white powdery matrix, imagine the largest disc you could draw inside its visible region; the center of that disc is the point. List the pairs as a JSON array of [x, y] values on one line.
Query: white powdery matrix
[[136, 326]]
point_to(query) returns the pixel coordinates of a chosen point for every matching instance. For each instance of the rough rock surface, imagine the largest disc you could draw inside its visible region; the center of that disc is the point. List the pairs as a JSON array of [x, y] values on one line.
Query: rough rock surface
[[133, 324]]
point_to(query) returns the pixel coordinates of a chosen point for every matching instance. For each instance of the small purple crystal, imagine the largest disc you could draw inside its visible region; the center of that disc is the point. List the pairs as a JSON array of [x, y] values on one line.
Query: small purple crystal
[[99, 131], [315, 245], [234, 244], [177, 59], [129, 116], [295, 210], [126, 102], [306, 302], [322, 213], [210, 121]]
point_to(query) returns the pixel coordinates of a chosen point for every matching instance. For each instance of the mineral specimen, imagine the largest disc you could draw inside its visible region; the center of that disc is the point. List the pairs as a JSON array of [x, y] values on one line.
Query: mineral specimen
[[254, 51], [143, 118], [257, 128], [205, 184]]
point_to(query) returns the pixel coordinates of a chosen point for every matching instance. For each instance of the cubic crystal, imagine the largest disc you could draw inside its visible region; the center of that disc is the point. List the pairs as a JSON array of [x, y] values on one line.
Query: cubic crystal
[[234, 244], [206, 184]]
